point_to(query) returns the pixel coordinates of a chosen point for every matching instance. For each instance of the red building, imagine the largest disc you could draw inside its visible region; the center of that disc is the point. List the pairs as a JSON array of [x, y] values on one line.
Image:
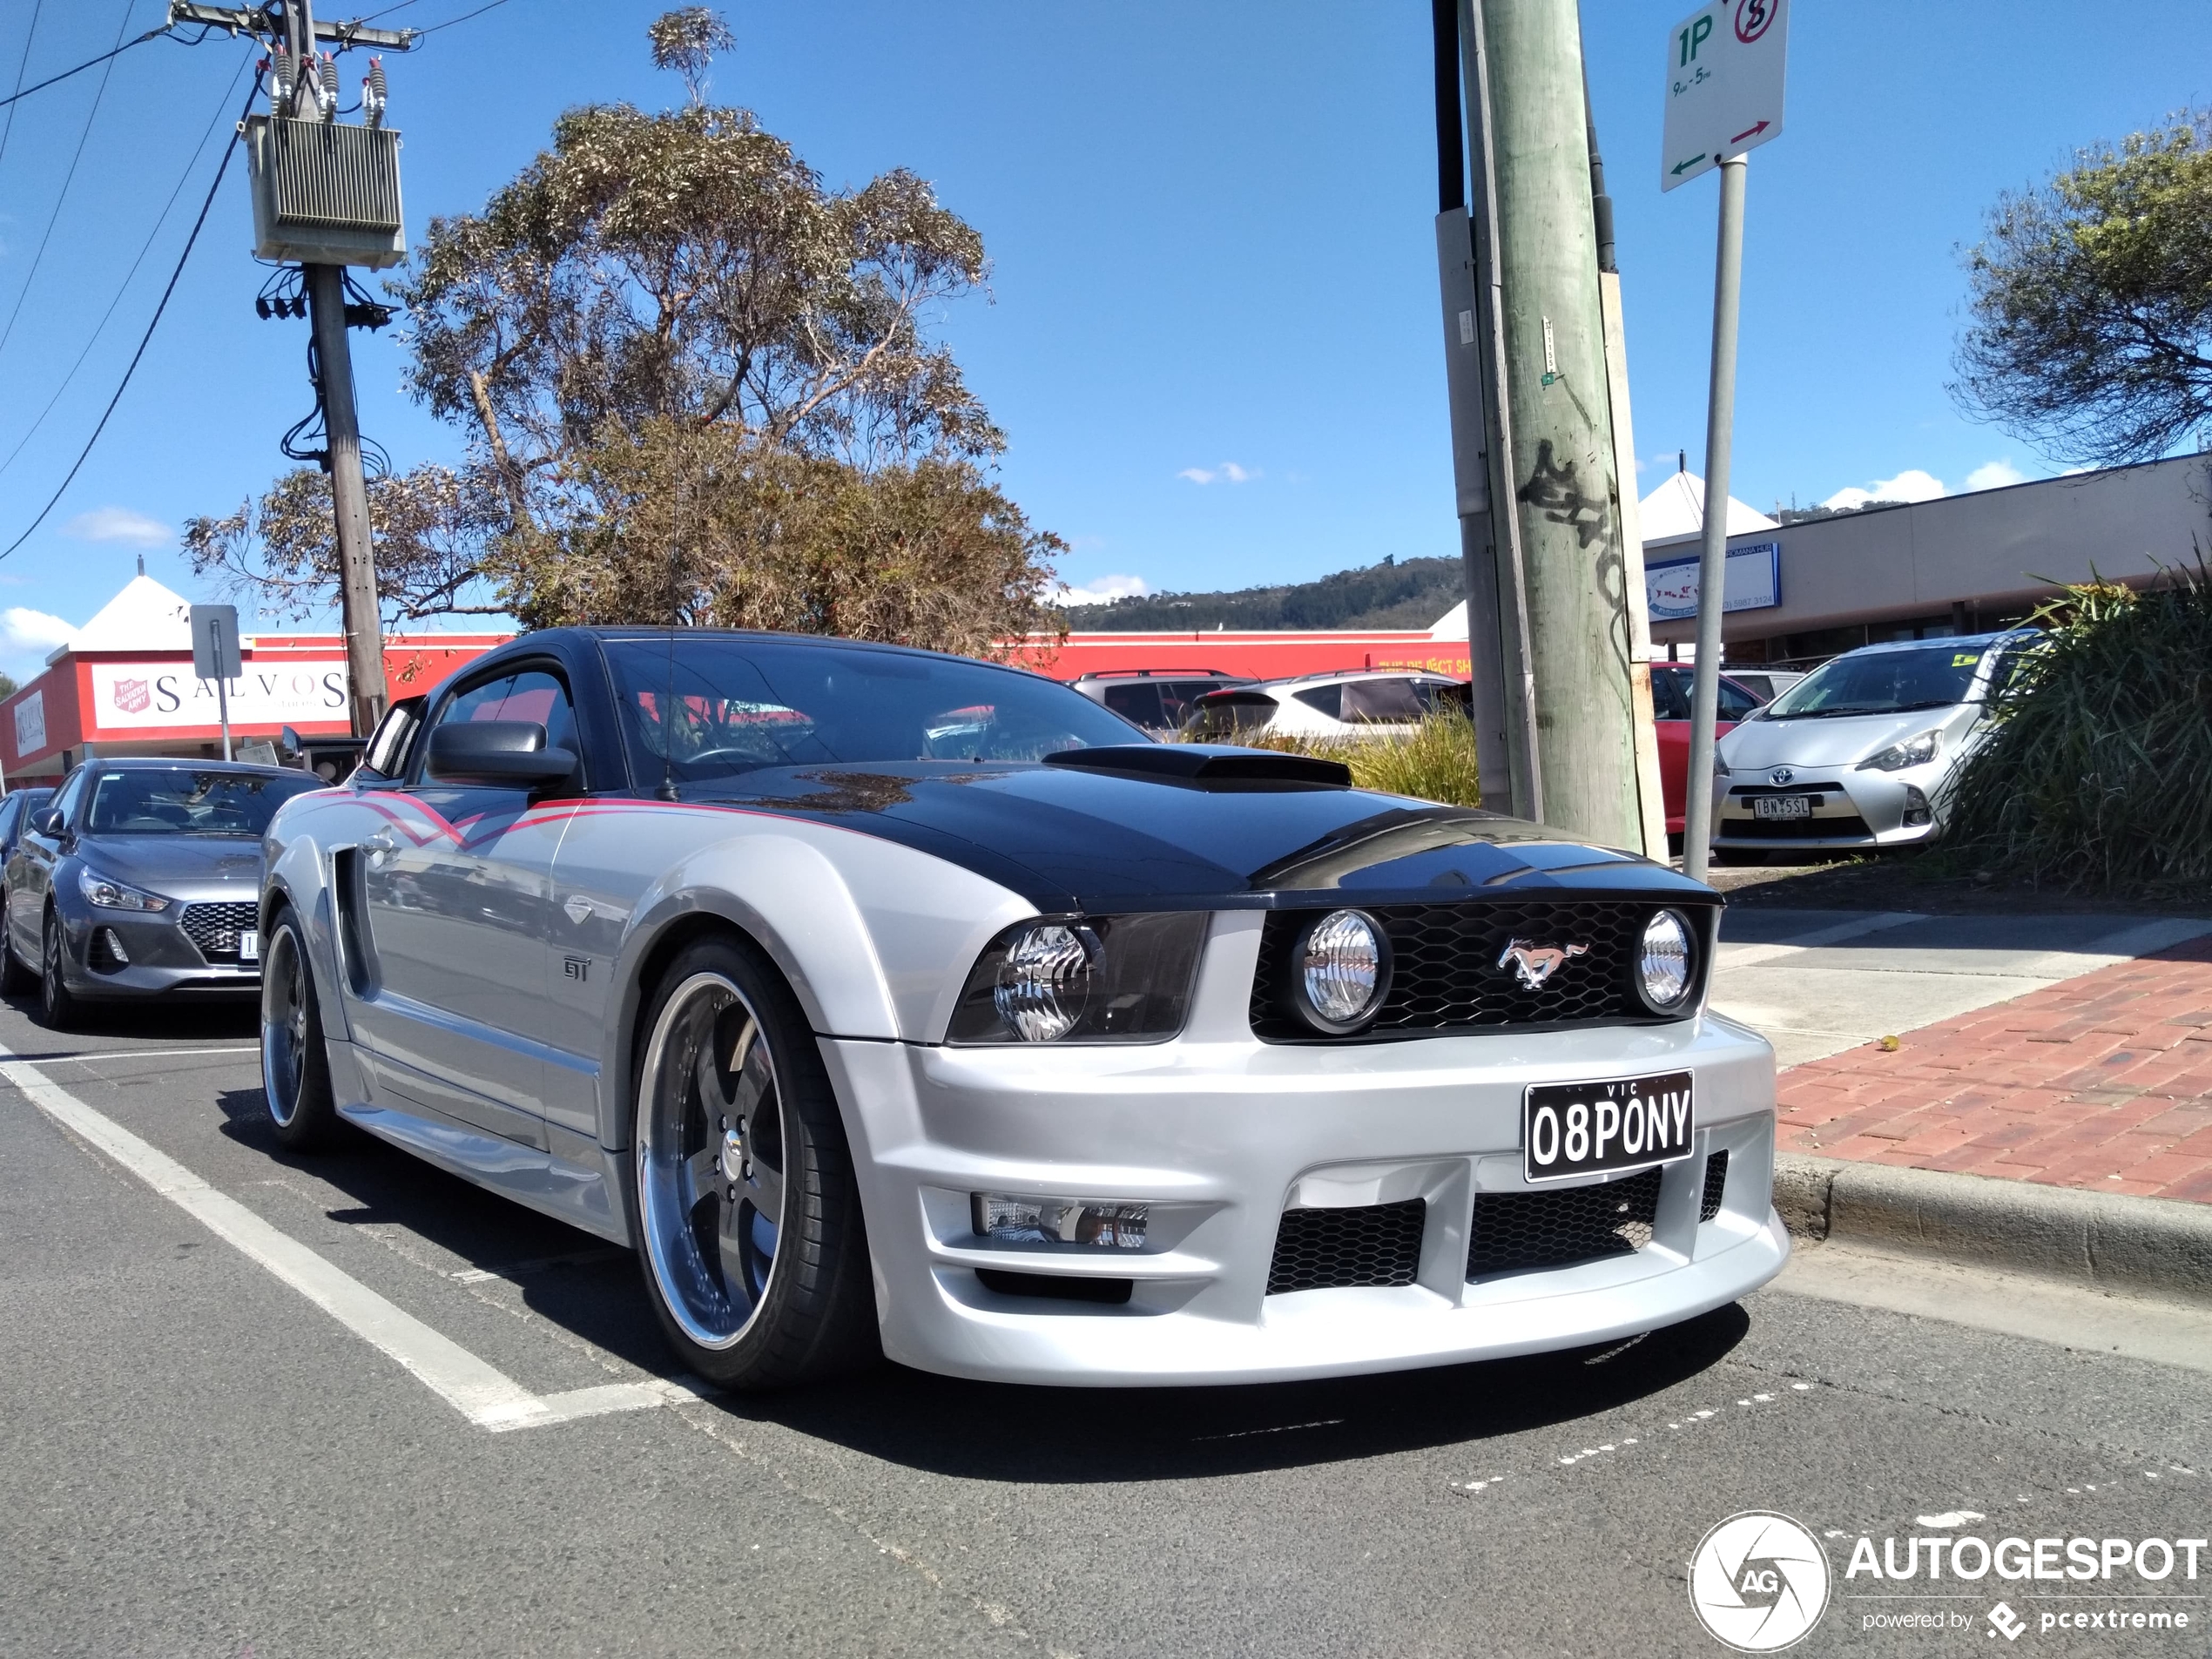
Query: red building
[[124, 685]]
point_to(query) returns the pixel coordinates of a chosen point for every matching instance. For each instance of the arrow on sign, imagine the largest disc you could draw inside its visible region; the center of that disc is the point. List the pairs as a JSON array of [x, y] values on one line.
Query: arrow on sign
[[1681, 166], [1750, 132]]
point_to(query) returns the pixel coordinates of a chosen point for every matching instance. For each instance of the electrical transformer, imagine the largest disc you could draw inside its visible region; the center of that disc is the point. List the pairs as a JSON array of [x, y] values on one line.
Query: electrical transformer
[[325, 193]]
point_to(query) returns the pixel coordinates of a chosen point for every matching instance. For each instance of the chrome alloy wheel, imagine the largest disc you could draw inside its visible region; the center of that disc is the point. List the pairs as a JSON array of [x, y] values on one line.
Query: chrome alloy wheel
[[284, 1025], [711, 1160]]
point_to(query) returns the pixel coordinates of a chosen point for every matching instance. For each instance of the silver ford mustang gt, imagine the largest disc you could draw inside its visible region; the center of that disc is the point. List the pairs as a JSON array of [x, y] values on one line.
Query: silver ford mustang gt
[[893, 1002]]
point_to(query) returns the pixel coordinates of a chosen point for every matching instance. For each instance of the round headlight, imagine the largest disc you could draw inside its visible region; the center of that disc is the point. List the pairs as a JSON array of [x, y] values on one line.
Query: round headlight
[[1343, 970], [1664, 963], [1045, 983]]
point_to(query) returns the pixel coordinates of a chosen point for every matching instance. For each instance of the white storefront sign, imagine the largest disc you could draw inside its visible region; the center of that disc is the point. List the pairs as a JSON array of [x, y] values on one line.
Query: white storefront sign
[[1754, 583], [152, 696], [30, 724]]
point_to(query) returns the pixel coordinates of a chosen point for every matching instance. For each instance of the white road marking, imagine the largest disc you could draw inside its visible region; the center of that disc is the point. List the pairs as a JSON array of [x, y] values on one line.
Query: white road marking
[[135, 1054], [485, 1395], [1858, 926]]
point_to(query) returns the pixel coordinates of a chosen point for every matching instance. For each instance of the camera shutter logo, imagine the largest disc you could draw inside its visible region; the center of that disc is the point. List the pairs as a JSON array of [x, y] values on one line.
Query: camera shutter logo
[[1759, 1581]]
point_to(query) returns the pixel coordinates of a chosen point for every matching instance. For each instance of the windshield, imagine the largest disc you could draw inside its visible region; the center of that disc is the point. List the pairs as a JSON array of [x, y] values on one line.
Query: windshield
[[740, 705], [178, 801], [1934, 676]]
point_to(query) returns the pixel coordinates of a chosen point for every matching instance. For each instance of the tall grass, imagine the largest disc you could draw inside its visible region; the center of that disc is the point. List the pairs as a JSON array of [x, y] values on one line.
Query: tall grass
[[1436, 762], [2098, 775]]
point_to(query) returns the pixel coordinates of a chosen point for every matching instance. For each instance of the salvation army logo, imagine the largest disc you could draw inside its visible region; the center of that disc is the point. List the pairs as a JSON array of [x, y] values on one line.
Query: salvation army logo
[[133, 697], [1759, 1581]]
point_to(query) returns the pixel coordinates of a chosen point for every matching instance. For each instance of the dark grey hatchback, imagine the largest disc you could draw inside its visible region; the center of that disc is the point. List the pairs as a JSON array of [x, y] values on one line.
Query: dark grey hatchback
[[140, 878]]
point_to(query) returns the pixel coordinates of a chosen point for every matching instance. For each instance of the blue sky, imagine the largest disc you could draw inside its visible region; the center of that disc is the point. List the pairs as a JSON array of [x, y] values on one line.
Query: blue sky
[[1212, 329]]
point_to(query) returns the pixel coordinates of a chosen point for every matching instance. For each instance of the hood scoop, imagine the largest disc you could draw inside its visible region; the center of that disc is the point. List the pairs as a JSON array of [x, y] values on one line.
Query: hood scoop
[[1205, 765]]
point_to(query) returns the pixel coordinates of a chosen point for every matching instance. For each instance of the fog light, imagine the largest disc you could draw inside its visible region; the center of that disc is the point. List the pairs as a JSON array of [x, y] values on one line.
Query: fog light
[[1058, 1221], [1663, 974], [1916, 811], [1343, 972], [107, 952]]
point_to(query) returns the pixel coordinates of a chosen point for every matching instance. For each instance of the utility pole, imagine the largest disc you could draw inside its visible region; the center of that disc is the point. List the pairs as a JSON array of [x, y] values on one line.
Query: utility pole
[[327, 196], [1566, 492]]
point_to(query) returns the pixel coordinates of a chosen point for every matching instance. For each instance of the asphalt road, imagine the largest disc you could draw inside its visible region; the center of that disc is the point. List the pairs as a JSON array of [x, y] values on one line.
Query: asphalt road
[[196, 1457]]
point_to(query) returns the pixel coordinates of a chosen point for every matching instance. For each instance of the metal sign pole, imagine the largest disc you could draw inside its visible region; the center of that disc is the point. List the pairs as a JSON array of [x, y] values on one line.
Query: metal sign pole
[[223, 706], [1712, 564]]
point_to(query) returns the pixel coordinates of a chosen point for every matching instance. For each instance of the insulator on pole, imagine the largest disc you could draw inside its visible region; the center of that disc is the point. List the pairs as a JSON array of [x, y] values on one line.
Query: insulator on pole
[[326, 92], [282, 62], [375, 94]]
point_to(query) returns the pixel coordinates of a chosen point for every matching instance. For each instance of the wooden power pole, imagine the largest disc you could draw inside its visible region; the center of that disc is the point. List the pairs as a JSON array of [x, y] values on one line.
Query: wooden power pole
[[1562, 472]]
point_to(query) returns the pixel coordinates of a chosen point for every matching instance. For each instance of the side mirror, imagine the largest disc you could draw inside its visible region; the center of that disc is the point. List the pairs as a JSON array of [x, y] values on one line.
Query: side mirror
[[512, 753], [288, 744], [46, 821]]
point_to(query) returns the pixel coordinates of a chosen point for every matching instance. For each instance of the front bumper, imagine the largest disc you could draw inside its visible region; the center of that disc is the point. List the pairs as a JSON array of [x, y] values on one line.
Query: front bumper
[[1219, 1138], [156, 955], [1854, 809]]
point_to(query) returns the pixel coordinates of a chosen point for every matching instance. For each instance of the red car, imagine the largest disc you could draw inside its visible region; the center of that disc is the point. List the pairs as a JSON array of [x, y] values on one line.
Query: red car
[[1670, 718]]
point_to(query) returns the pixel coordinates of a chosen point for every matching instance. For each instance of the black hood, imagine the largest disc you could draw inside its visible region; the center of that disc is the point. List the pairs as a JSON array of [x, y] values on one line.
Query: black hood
[[1069, 839]]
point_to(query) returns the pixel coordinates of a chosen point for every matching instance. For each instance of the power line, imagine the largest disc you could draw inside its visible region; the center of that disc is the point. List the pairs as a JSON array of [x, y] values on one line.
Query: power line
[[22, 64], [89, 62], [229, 150], [146, 247], [463, 17], [53, 219]]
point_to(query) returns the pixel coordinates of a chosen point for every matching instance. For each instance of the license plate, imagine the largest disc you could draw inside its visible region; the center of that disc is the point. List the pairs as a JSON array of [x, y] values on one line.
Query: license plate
[[249, 947], [1585, 1128], [1782, 805]]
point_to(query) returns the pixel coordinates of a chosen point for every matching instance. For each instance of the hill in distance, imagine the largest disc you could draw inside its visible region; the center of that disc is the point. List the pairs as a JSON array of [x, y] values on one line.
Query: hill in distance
[[1410, 593]]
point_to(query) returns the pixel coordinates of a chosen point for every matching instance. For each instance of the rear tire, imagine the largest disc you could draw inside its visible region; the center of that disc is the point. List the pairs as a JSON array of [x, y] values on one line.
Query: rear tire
[[748, 1216], [16, 978], [295, 1066], [59, 1008]]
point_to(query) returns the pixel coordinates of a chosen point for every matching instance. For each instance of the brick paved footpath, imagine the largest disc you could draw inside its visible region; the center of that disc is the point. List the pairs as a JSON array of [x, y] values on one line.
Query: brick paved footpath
[[2103, 1082]]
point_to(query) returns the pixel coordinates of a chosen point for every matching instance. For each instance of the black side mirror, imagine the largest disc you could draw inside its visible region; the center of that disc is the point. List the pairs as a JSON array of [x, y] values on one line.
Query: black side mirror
[[288, 744], [500, 752], [46, 821]]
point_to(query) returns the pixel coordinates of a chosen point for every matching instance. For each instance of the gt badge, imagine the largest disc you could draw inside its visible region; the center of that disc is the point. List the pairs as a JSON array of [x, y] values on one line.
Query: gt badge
[[1533, 963]]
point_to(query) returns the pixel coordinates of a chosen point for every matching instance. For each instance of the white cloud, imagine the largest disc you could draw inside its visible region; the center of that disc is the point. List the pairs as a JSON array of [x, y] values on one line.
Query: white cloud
[[1995, 474], [1099, 591], [1912, 484], [26, 638], [119, 524], [1228, 473]]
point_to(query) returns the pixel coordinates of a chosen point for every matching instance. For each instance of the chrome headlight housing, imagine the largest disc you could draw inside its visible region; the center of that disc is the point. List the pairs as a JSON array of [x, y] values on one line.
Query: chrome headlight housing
[[1913, 752], [1084, 979], [1666, 965], [1340, 972], [110, 894]]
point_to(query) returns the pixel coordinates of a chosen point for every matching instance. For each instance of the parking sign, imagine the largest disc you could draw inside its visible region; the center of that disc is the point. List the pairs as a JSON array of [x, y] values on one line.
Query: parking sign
[[1724, 73]]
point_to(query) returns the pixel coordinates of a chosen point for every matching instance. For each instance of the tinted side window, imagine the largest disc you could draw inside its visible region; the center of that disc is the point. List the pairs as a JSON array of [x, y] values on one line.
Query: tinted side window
[[1322, 699], [11, 809], [1670, 698], [1378, 702], [532, 694], [1139, 702], [72, 793], [386, 750], [1735, 703]]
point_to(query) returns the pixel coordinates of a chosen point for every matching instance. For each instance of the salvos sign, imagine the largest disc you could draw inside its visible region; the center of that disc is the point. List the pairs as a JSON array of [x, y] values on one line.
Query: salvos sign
[[148, 696]]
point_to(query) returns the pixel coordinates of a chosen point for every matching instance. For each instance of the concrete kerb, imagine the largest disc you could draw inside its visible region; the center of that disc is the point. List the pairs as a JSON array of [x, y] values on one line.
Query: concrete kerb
[[2102, 1240]]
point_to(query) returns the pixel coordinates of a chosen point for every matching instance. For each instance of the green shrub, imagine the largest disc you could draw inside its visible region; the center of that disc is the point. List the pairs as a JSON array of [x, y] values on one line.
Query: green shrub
[[1435, 762], [2097, 777]]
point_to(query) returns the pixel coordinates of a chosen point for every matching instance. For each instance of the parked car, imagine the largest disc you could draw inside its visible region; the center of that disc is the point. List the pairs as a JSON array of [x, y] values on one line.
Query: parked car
[[1671, 696], [139, 878], [1765, 683], [1354, 703], [15, 818], [1858, 753], [1038, 1051], [1160, 700]]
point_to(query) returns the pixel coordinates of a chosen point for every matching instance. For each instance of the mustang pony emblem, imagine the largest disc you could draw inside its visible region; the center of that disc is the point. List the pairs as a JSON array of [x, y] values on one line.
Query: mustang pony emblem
[[1533, 964]]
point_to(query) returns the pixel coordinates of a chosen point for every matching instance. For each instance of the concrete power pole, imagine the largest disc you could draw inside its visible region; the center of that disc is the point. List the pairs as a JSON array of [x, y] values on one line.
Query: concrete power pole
[[1562, 468]]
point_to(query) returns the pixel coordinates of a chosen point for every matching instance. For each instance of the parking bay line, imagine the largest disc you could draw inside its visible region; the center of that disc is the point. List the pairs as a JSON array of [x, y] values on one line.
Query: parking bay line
[[486, 1396], [1751, 955]]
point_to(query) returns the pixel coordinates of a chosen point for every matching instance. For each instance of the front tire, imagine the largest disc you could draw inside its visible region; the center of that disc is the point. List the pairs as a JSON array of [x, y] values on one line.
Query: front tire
[[295, 1066], [16, 978], [59, 1008], [748, 1215]]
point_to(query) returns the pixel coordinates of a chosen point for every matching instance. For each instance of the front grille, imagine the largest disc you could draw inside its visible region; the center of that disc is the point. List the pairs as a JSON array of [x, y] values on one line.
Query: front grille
[[215, 927], [1516, 1232], [1796, 829], [1445, 973], [1368, 1245], [1716, 1186]]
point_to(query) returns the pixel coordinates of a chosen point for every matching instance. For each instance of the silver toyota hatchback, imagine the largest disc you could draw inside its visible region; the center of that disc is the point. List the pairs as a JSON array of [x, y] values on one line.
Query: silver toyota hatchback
[[1858, 753]]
